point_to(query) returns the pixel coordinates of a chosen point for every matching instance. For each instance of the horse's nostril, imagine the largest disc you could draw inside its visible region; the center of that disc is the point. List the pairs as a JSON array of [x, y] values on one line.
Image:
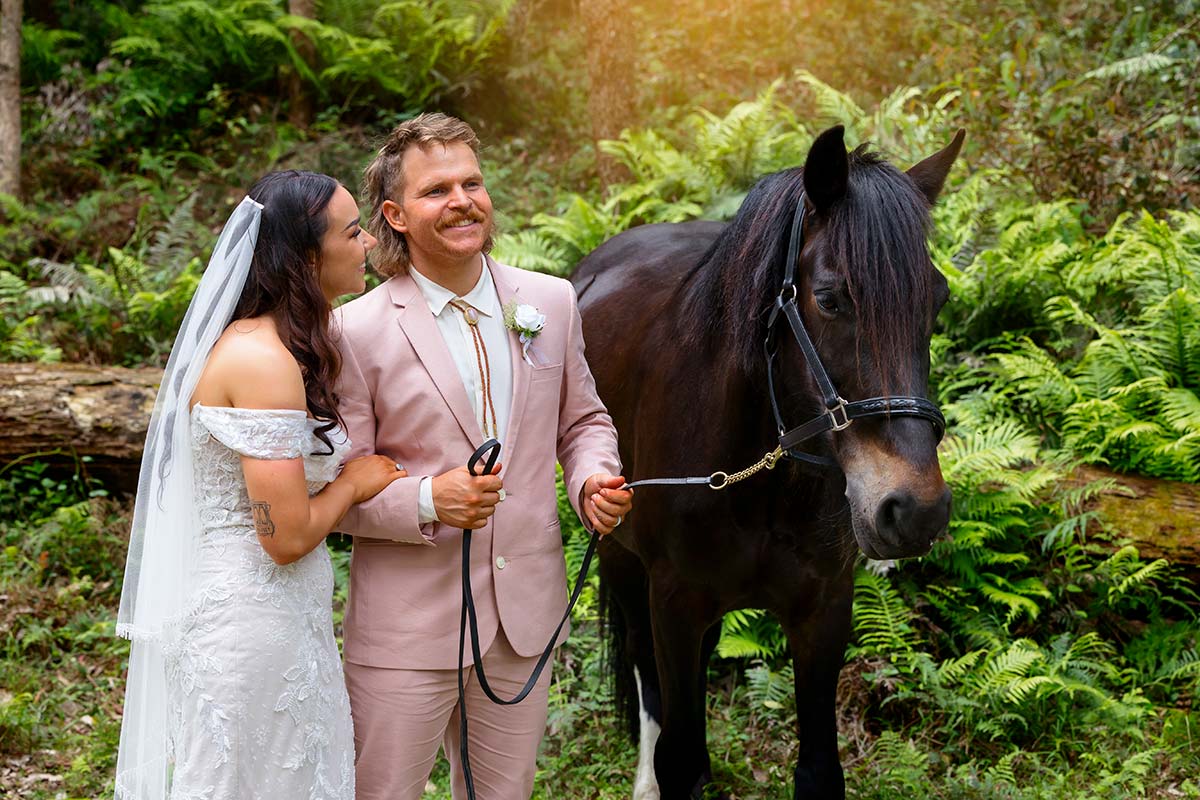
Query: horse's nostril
[[902, 518], [894, 513]]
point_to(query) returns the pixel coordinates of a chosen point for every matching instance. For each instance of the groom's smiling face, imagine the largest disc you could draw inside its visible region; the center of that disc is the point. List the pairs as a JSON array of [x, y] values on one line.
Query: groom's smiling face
[[443, 209]]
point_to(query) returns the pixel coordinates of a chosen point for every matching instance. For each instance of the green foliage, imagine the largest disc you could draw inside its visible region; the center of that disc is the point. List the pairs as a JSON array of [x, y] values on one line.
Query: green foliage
[[1094, 340], [19, 340], [882, 619], [182, 70], [417, 51], [1095, 108], [705, 167], [751, 633], [42, 51], [61, 561], [575, 543], [1032, 654], [128, 306]]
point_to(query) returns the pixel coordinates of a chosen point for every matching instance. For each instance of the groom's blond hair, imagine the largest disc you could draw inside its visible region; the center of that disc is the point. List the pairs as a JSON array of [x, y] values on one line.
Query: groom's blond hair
[[383, 179]]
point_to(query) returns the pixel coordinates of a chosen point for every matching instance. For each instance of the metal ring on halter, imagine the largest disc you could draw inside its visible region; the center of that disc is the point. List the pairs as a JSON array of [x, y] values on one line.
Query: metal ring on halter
[[795, 293], [844, 422], [718, 480]]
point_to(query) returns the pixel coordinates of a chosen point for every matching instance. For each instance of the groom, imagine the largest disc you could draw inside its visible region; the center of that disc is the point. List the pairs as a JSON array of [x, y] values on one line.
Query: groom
[[453, 349]]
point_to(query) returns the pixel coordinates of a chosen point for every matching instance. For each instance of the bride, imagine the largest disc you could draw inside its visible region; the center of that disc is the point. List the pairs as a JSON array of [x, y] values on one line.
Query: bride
[[235, 688]]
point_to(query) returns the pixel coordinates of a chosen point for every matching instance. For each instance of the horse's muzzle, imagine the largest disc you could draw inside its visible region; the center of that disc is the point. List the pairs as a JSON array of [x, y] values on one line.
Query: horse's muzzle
[[905, 526]]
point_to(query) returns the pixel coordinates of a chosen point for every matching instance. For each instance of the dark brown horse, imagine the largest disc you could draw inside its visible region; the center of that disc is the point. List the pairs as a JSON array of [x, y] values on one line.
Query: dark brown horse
[[680, 313]]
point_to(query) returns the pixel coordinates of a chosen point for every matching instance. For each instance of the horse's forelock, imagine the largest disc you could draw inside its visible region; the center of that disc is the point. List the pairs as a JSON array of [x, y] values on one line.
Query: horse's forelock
[[878, 238]]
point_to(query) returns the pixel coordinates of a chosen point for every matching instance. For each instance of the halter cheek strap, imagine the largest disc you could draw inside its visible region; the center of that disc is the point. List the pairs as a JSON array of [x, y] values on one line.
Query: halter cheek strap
[[838, 414]]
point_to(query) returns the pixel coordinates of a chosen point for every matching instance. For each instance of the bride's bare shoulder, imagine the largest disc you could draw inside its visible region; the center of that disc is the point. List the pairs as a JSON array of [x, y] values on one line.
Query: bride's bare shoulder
[[250, 367]]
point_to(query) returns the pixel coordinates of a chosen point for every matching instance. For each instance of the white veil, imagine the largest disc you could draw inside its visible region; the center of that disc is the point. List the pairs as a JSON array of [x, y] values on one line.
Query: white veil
[[161, 570]]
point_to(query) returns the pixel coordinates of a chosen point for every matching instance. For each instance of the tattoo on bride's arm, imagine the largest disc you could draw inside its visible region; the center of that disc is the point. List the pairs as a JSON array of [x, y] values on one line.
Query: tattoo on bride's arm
[[262, 518]]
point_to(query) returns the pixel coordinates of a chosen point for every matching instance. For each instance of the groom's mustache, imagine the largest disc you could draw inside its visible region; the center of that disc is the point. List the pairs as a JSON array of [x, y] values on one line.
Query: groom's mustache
[[471, 216]]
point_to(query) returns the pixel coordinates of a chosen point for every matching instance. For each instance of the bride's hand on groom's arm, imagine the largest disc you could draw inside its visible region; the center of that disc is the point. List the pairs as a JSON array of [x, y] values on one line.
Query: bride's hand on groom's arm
[[288, 522], [370, 475]]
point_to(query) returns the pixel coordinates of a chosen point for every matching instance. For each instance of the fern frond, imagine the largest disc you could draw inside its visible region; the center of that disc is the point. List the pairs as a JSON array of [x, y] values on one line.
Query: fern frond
[[83, 284], [774, 689], [1132, 67], [834, 106], [882, 620], [986, 452], [529, 249]]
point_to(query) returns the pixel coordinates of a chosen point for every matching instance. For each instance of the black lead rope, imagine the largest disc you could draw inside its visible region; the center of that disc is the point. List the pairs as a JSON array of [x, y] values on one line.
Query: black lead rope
[[491, 450]]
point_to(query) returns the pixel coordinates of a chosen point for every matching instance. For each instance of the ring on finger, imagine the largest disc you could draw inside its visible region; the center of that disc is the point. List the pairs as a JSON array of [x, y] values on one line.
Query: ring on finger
[[620, 519]]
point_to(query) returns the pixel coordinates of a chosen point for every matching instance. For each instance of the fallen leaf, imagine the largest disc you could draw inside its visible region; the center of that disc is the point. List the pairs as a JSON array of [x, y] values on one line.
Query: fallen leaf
[[42, 776]]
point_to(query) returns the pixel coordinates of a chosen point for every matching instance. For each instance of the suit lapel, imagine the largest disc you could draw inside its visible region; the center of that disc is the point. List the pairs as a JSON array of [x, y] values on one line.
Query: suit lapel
[[506, 291], [422, 331]]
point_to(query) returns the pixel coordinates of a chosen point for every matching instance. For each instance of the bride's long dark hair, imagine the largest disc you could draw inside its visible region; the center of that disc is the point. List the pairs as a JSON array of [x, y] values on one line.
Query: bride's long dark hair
[[283, 283]]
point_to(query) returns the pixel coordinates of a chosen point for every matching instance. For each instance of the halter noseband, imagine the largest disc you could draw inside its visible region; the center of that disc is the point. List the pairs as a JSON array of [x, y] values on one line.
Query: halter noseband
[[838, 414]]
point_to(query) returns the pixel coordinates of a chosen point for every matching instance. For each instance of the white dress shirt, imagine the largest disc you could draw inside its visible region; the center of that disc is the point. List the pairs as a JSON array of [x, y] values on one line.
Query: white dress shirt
[[457, 336]]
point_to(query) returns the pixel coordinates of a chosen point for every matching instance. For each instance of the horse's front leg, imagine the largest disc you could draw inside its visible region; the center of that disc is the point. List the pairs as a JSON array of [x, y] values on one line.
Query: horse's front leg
[[680, 617], [817, 637]]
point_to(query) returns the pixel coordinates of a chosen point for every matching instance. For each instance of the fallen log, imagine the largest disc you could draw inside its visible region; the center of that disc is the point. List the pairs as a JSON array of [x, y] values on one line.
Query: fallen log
[[61, 413], [1159, 517]]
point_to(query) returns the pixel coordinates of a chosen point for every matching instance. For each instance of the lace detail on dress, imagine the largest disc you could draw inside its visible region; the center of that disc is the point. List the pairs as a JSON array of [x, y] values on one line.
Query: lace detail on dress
[[259, 433], [258, 705]]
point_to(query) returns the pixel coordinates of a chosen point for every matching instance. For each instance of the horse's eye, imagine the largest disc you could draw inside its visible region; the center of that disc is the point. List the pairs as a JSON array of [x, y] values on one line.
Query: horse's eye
[[828, 302]]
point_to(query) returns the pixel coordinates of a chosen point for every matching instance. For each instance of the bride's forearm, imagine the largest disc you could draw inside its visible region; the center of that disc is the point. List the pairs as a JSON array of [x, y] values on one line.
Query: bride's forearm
[[292, 536]]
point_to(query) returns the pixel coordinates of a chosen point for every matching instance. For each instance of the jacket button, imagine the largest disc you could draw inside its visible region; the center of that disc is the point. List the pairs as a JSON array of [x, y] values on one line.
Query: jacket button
[[501, 563]]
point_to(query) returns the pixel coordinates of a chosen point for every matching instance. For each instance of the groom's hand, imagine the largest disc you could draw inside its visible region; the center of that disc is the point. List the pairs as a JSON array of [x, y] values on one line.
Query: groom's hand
[[605, 503], [465, 500]]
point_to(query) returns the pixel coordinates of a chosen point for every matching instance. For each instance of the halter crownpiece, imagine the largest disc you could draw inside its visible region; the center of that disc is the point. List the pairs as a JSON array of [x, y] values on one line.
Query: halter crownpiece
[[838, 414]]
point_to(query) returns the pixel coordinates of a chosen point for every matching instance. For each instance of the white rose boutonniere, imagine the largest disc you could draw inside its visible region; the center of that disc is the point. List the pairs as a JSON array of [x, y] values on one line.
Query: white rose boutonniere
[[526, 321]]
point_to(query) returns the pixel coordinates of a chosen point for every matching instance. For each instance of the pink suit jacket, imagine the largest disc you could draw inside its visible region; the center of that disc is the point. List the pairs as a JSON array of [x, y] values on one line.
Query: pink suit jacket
[[401, 396]]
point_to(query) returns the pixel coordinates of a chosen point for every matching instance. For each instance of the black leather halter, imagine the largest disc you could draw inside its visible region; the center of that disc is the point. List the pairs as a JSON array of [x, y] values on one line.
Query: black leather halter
[[838, 414]]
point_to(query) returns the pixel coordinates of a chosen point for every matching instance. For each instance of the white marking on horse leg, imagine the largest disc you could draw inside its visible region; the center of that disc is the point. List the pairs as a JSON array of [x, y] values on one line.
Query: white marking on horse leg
[[645, 785]]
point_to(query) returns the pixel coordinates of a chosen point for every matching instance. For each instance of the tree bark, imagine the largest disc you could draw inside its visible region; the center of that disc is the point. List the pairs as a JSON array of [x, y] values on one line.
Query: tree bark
[[300, 101], [62, 412], [1158, 517], [611, 49], [10, 97]]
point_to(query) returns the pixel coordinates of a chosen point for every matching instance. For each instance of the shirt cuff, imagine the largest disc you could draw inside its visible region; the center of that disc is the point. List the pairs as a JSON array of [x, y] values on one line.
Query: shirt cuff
[[426, 512]]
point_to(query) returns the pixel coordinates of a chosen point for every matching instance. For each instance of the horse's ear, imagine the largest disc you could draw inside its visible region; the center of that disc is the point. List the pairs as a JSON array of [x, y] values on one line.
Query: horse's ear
[[826, 170], [930, 174]]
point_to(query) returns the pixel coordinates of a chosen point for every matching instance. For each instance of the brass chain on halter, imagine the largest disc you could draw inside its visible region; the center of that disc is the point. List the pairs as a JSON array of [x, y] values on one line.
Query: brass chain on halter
[[720, 480]]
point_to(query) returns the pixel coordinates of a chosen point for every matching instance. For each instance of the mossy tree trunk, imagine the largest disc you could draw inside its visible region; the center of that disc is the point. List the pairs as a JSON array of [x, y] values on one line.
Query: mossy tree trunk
[[611, 55], [10, 96], [300, 101]]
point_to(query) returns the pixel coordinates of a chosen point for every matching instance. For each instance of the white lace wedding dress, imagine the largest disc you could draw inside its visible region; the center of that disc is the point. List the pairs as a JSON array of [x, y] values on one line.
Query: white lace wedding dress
[[258, 704]]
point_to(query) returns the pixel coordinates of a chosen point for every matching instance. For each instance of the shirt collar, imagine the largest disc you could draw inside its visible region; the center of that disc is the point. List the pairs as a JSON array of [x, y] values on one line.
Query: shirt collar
[[482, 296]]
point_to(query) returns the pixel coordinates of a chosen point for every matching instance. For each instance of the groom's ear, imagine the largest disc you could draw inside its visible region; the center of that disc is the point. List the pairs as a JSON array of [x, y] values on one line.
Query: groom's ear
[[394, 215]]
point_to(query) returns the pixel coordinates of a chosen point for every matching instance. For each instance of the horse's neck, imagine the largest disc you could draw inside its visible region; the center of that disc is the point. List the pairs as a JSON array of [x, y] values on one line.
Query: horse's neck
[[735, 405]]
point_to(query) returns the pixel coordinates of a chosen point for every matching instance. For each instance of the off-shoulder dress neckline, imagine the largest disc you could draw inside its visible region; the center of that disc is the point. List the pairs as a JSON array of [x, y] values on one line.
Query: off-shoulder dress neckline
[[199, 405]]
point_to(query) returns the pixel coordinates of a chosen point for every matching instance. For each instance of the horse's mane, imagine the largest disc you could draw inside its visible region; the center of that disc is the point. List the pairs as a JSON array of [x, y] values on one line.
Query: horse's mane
[[878, 230]]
